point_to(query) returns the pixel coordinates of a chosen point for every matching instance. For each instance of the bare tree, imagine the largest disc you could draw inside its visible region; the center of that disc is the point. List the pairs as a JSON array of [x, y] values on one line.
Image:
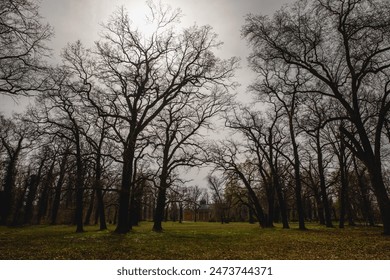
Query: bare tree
[[178, 138], [15, 136], [218, 194], [142, 74], [345, 46], [60, 113], [193, 196], [227, 157], [23, 39], [264, 137], [313, 119]]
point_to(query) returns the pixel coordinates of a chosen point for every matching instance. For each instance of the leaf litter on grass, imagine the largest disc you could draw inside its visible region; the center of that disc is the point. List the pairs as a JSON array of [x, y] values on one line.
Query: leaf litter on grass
[[194, 241]]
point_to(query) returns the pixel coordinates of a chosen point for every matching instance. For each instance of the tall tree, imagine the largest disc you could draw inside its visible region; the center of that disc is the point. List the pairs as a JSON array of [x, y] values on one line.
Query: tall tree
[[216, 186], [178, 140], [264, 138], [141, 74], [23, 39], [227, 157], [281, 86], [344, 45], [15, 136], [312, 122], [59, 112]]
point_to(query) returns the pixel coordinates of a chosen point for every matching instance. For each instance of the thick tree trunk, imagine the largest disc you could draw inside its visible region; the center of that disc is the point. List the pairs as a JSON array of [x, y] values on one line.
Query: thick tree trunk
[[382, 196], [99, 194], [259, 213], [124, 225], [282, 202], [160, 206]]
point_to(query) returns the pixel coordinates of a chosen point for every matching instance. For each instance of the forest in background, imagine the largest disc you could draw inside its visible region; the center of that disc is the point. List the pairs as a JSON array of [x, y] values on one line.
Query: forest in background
[[115, 127]]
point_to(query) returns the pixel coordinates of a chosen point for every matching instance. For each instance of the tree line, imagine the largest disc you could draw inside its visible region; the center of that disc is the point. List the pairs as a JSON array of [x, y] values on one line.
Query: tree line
[[115, 127]]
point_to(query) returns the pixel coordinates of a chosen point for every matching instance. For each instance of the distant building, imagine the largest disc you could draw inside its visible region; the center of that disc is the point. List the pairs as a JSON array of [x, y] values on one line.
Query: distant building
[[204, 213]]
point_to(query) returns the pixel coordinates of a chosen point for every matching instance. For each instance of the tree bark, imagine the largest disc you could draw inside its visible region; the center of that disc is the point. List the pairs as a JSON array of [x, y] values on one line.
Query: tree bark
[[282, 202], [124, 225], [160, 206]]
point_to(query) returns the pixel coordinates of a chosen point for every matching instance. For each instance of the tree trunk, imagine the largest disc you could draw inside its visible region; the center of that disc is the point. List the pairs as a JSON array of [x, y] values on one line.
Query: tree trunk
[[100, 208], [19, 201], [33, 186], [364, 190], [43, 200], [79, 189], [281, 201], [298, 188], [271, 205], [180, 212], [8, 187], [124, 225], [259, 213], [344, 186], [88, 215], [382, 196], [320, 207], [58, 188], [324, 195]]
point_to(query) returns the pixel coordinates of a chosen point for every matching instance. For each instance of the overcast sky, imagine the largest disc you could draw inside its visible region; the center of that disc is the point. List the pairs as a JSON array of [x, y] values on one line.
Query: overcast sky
[[80, 20]]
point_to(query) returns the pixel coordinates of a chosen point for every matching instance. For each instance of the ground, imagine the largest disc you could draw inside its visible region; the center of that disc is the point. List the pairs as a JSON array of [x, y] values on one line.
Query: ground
[[195, 241]]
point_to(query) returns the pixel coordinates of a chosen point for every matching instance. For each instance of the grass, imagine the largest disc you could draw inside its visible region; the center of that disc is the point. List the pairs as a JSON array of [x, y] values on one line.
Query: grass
[[195, 241]]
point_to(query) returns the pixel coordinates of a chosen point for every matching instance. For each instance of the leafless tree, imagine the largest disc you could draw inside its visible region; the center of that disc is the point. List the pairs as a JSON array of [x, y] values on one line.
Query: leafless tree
[[228, 157], [345, 47], [316, 112], [141, 74], [59, 112], [15, 137], [265, 138], [177, 138], [23, 39]]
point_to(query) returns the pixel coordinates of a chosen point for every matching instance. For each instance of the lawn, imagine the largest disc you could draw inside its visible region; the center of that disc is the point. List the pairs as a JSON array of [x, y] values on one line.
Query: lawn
[[195, 241]]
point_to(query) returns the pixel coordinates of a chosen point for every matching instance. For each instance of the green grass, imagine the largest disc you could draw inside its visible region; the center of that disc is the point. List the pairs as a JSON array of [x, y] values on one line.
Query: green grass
[[194, 241]]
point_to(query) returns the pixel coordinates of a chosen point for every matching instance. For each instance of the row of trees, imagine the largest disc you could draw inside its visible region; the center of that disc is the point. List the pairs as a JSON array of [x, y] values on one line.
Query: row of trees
[[116, 125]]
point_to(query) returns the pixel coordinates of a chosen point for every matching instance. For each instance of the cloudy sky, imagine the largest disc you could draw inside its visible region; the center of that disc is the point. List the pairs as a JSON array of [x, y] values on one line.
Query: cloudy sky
[[80, 20]]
